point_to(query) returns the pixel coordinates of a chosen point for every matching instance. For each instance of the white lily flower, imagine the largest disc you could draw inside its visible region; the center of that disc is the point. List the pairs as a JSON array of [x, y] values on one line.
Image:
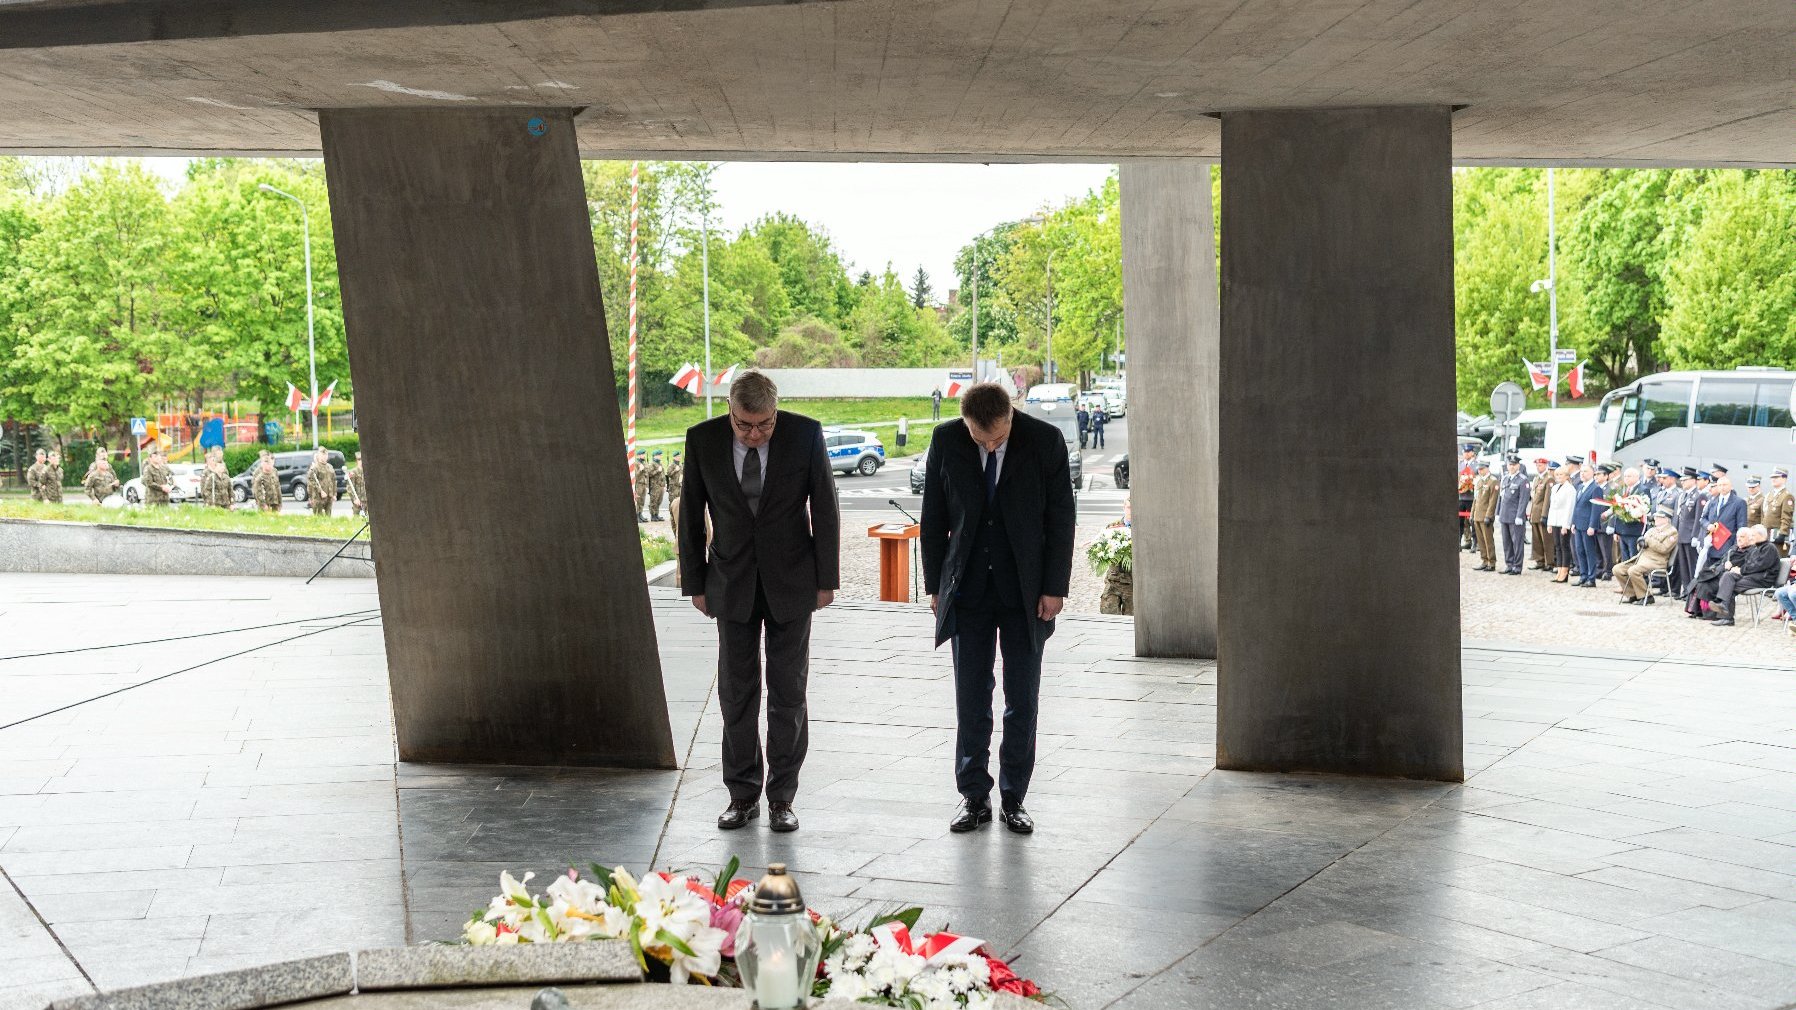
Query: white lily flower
[[511, 887], [480, 932]]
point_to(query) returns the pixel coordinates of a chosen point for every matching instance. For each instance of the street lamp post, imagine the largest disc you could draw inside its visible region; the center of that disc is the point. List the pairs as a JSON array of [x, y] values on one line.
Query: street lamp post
[[1550, 284], [305, 224], [705, 267], [1052, 371]]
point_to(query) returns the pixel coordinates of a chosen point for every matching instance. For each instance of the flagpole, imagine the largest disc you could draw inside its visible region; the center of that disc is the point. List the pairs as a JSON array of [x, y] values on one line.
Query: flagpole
[[630, 433], [705, 265], [1552, 295]]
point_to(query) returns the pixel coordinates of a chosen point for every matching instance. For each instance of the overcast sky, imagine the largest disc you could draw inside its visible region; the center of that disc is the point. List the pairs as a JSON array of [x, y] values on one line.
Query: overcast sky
[[904, 214]]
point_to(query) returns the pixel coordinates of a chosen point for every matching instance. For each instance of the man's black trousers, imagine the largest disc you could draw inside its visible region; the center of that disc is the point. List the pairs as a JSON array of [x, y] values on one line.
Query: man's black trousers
[[983, 629], [739, 696]]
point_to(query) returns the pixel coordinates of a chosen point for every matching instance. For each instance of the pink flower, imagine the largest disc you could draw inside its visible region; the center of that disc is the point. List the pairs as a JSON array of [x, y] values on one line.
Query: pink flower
[[727, 917]]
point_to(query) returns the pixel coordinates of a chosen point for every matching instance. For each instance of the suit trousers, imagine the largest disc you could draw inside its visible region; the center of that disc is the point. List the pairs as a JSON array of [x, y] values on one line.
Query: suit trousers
[[1627, 546], [1686, 568], [1542, 542], [739, 696], [1512, 545], [1605, 545], [1588, 558], [983, 629]]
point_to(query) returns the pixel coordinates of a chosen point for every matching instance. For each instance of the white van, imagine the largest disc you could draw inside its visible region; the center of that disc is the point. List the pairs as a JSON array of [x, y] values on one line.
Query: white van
[[1052, 392], [1555, 433]]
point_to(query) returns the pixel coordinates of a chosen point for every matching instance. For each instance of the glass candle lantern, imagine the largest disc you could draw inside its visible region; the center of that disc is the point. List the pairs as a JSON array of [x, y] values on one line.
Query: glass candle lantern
[[777, 948]]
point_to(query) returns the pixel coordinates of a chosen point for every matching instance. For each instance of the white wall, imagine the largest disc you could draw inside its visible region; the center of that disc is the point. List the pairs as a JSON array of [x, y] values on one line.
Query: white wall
[[860, 383]]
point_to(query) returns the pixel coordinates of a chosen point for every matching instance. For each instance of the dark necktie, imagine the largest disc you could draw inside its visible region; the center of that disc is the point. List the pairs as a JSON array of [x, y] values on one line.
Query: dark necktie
[[991, 477], [751, 480]]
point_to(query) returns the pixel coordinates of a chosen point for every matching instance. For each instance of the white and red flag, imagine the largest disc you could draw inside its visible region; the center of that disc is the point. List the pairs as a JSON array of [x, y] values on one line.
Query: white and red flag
[[725, 377], [1574, 380], [954, 387], [294, 397], [1540, 373], [690, 379], [324, 398]]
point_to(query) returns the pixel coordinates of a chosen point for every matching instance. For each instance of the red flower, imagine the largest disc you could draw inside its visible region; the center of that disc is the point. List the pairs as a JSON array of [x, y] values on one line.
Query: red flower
[[1005, 980]]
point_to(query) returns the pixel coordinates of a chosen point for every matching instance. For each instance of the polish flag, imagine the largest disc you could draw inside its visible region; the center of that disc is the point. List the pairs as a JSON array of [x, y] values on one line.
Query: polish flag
[[954, 388], [1574, 380], [1539, 373], [690, 379], [725, 377], [294, 397], [324, 398]]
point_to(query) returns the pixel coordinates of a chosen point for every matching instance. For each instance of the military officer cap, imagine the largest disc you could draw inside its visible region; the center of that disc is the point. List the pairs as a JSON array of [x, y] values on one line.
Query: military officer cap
[[1484, 464], [1663, 512], [1752, 481], [1609, 467], [1512, 458], [1667, 472], [1704, 475], [1689, 473], [1718, 468], [1542, 460], [1573, 461], [1779, 471], [1651, 462]]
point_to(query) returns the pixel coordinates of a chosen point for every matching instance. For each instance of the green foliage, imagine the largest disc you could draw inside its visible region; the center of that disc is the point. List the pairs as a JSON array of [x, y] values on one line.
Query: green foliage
[[1732, 290]]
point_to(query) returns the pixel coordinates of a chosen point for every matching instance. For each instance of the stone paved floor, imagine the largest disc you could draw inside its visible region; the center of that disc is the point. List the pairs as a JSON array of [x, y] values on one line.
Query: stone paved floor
[[1626, 838]]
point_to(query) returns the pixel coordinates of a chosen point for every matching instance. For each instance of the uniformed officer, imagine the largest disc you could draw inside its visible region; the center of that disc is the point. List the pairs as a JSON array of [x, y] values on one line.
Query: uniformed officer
[[1755, 501], [1688, 520], [654, 485], [321, 483], [215, 481], [1665, 495], [265, 486], [35, 475], [1605, 521], [676, 476], [1780, 510], [1540, 499], [53, 478], [1649, 474], [1484, 512], [358, 486], [1465, 478], [158, 480], [101, 482], [1512, 513]]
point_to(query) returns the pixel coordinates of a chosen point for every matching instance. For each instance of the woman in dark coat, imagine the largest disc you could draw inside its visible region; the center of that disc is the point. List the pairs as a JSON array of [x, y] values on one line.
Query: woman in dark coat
[[1752, 564]]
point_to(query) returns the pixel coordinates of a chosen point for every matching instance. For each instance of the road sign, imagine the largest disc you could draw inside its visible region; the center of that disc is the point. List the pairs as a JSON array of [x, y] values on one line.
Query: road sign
[[139, 427], [1565, 357], [1507, 402]]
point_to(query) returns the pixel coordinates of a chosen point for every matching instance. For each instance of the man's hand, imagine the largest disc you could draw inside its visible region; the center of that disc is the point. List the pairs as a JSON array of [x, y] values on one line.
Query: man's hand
[[1049, 607], [825, 597], [932, 603], [699, 603]]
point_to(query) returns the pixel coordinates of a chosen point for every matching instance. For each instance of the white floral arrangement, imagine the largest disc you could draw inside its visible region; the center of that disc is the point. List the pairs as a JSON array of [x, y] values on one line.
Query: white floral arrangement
[[887, 974], [1115, 547]]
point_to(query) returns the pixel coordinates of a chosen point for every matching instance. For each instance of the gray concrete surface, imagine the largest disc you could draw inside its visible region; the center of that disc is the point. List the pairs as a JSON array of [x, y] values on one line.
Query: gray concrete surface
[[1341, 654], [1646, 82], [1170, 309], [518, 630], [32, 545]]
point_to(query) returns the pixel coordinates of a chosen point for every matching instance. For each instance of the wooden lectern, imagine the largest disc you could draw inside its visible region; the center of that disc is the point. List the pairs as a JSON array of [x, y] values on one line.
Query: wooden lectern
[[894, 559]]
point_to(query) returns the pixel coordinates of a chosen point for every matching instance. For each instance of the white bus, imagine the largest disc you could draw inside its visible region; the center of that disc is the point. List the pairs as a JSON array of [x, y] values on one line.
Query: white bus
[[1740, 419]]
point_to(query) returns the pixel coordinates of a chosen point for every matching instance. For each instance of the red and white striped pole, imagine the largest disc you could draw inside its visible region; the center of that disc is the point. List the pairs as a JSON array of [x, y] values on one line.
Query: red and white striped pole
[[630, 432]]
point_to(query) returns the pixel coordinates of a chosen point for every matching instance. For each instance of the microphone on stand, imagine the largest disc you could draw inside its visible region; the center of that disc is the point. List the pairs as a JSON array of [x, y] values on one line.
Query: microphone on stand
[[894, 503]]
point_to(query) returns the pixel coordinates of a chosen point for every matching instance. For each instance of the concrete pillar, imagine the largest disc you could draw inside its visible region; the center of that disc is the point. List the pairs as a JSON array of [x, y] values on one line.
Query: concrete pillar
[[512, 594], [1169, 308], [1338, 645]]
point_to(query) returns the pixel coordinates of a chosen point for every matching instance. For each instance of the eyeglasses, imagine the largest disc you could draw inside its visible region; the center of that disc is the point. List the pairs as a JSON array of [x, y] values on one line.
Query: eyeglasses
[[751, 429]]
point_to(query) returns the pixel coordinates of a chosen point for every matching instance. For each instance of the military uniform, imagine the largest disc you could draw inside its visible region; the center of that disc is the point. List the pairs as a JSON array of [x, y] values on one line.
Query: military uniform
[[1780, 512], [654, 483], [53, 483], [1540, 499], [156, 480], [358, 489], [1119, 592], [101, 483], [1484, 512], [265, 488], [321, 487], [676, 479], [1755, 503], [1688, 520], [35, 475], [215, 485], [639, 483], [1512, 516]]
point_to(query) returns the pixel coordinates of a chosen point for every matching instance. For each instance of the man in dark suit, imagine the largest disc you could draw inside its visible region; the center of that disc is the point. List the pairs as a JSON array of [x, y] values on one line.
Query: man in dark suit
[[1725, 511], [772, 559], [997, 558]]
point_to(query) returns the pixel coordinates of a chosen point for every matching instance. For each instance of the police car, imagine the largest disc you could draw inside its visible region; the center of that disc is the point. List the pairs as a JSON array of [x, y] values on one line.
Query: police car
[[854, 451]]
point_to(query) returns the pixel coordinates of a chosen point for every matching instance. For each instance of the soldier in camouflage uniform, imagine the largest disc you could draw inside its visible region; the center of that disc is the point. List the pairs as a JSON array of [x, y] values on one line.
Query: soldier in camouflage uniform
[[656, 481], [157, 479], [215, 481], [649, 480], [358, 486], [265, 486], [101, 482], [321, 483], [53, 479], [34, 476], [638, 482], [676, 478]]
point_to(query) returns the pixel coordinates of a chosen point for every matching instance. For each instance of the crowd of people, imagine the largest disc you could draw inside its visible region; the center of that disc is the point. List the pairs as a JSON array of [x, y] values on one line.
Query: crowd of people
[[44, 478], [1685, 533]]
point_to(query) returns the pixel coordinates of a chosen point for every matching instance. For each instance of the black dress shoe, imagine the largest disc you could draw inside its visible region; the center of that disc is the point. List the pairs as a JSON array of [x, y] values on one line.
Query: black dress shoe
[[781, 818], [1018, 820], [737, 815], [970, 815]]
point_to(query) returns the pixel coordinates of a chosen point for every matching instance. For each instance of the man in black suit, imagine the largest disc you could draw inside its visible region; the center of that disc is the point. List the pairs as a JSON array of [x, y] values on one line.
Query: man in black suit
[[997, 557], [773, 557]]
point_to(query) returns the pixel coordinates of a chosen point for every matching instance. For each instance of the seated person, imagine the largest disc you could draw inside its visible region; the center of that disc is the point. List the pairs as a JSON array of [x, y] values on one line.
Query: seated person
[[1655, 553], [1752, 564]]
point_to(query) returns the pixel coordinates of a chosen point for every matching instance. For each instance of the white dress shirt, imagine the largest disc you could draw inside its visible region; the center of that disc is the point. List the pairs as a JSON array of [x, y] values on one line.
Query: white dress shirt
[[1002, 449]]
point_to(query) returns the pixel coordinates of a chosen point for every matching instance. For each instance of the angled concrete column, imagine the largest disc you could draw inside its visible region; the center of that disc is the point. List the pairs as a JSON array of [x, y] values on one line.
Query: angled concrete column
[[515, 610], [1169, 309], [1338, 645]]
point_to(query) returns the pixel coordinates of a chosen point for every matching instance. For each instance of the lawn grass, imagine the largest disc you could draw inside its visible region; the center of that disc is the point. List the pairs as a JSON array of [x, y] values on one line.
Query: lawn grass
[[193, 517], [667, 422]]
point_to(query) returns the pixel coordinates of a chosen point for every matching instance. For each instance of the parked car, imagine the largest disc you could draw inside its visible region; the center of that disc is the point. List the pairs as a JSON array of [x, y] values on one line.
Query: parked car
[[1052, 392], [1115, 403], [291, 468], [854, 451], [1057, 415], [186, 483], [1121, 473]]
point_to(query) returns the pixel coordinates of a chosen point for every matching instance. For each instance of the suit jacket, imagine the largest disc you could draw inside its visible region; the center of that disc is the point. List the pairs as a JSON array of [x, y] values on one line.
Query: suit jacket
[[792, 547], [1731, 513], [1035, 492], [1584, 513]]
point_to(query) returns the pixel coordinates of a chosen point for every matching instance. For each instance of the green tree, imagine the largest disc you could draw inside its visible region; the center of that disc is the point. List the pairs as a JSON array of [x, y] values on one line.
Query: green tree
[[920, 291], [1731, 289], [888, 330], [1616, 244], [1500, 250]]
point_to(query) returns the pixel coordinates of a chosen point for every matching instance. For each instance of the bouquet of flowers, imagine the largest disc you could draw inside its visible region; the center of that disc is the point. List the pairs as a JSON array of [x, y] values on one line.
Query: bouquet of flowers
[[1114, 547], [1629, 508], [683, 929]]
